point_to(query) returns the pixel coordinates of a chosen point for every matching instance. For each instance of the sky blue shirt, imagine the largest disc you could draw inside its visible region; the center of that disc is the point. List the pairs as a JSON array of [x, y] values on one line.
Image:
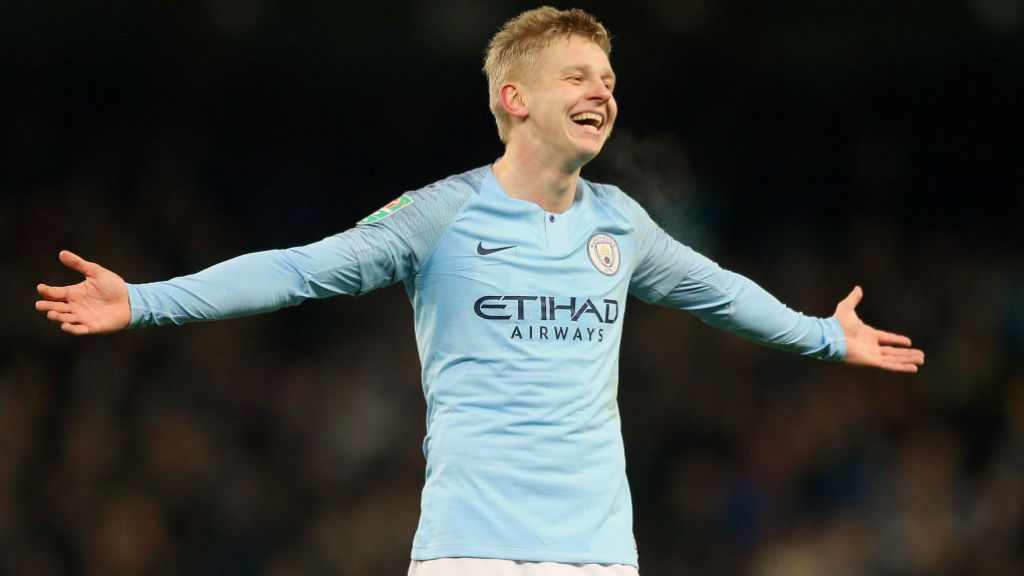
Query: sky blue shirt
[[518, 318]]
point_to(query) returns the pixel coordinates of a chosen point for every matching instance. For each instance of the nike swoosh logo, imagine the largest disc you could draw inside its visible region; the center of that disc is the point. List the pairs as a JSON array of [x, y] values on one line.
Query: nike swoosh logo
[[485, 251]]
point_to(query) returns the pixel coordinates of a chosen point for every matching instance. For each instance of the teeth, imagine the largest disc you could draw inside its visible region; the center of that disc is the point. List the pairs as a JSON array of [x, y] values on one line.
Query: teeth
[[588, 118]]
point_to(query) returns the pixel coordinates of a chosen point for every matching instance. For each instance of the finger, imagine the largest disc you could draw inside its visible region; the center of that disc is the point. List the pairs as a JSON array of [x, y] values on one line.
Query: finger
[[77, 263], [62, 317], [900, 360], [901, 352], [905, 367], [76, 329], [47, 305], [853, 298], [911, 355], [52, 292], [891, 339]]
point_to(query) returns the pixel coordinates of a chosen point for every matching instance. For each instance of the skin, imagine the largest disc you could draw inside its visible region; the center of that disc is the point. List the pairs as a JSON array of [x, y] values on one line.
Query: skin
[[545, 152], [97, 305], [546, 149]]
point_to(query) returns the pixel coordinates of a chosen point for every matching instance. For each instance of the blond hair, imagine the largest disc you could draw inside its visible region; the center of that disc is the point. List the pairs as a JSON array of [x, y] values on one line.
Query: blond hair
[[512, 52]]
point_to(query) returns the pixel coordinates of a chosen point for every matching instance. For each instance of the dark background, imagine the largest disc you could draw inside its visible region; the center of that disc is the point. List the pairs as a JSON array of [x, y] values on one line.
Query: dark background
[[809, 145]]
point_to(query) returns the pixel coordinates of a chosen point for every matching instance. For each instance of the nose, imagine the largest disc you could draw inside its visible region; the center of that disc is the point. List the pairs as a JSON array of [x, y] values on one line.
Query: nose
[[599, 91]]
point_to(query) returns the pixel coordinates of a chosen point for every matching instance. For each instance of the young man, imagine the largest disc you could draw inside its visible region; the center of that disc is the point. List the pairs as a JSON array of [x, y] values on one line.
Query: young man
[[518, 274]]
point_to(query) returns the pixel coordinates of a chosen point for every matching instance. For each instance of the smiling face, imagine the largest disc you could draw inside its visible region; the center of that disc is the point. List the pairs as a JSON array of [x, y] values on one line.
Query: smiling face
[[568, 102]]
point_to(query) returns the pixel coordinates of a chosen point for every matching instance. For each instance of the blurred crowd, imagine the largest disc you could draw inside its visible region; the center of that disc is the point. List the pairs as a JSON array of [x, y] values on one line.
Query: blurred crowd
[[290, 444]]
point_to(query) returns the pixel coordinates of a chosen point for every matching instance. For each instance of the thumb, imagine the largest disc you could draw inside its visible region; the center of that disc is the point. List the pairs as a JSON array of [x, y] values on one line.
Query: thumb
[[77, 263], [851, 300]]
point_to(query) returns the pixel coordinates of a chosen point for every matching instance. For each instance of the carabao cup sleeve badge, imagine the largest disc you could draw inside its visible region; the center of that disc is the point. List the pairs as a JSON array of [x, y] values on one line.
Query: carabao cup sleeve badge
[[604, 253], [387, 210]]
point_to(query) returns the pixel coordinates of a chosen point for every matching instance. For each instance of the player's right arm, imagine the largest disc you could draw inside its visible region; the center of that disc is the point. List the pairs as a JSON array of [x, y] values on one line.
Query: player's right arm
[[242, 286], [95, 305], [379, 251]]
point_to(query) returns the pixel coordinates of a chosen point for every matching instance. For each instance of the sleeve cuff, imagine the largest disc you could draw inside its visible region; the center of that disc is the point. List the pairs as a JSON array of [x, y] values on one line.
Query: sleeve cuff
[[835, 340]]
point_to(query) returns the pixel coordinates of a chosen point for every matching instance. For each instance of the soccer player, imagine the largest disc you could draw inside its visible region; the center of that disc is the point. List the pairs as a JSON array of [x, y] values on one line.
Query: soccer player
[[518, 274]]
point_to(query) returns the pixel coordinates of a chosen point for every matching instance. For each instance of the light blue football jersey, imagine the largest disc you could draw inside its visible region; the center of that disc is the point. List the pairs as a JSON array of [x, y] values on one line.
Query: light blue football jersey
[[518, 318]]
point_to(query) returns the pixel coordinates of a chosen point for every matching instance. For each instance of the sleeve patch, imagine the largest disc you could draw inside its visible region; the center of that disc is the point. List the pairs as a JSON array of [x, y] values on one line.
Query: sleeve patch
[[387, 210]]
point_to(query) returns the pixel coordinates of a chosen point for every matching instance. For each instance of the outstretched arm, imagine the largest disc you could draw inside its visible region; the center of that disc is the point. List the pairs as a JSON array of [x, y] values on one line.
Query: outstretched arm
[[96, 305], [867, 346], [249, 284], [732, 302]]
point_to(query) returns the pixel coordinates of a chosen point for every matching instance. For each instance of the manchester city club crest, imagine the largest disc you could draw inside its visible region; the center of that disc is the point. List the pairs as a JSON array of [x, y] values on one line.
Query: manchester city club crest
[[604, 253]]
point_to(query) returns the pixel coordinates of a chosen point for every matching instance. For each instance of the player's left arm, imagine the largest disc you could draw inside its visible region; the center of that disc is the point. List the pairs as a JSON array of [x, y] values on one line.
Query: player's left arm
[[672, 274], [732, 302]]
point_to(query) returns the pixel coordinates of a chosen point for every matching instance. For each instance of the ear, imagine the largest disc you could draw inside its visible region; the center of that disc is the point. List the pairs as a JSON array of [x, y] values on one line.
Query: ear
[[512, 101]]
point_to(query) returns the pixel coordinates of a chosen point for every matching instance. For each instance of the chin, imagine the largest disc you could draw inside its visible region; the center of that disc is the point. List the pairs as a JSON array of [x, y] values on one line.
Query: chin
[[591, 150]]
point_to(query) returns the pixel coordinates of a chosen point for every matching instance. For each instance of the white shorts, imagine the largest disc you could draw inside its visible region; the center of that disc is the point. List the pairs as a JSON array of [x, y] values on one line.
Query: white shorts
[[492, 567]]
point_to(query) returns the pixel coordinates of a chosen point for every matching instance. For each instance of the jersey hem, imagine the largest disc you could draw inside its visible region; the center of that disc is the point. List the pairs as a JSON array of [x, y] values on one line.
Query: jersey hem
[[524, 555]]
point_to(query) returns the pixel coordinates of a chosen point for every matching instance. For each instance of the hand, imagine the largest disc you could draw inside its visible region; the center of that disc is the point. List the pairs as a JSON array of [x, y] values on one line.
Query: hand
[[867, 346], [96, 305]]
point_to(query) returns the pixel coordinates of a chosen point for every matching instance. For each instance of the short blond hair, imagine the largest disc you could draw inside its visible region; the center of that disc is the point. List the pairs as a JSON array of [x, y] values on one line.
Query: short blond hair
[[512, 52]]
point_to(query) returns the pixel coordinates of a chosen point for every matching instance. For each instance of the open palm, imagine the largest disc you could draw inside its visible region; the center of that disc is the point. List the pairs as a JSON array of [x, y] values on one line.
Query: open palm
[[867, 346], [96, 305]]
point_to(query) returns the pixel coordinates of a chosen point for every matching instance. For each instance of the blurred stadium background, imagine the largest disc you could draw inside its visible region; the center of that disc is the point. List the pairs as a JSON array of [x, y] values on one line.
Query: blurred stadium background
[[808, 145]]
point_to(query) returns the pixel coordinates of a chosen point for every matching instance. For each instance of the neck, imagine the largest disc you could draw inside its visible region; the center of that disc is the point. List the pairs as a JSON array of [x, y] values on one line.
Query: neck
[[534, 178]]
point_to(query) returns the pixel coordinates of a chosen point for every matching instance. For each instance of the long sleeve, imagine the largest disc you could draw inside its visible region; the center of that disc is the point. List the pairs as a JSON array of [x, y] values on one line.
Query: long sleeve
[[732, 302], [249, 284]]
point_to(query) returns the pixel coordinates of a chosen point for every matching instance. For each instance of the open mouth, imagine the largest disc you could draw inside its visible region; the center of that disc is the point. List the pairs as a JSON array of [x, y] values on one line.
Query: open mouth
[[590, 119]]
